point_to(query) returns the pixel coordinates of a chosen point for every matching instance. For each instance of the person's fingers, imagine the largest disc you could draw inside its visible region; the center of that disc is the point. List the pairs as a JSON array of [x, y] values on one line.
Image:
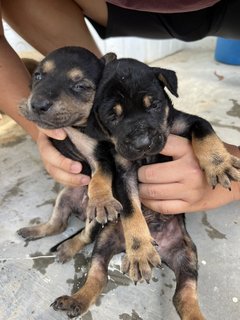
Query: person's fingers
[[167, 172], [162, 191], [167, 206], [53, 157], [65, 178], [176, 146], [58, 134], [62, 169]]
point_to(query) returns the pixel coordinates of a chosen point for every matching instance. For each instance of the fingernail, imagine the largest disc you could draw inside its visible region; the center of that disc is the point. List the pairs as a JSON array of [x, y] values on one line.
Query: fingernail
[[76, 167]]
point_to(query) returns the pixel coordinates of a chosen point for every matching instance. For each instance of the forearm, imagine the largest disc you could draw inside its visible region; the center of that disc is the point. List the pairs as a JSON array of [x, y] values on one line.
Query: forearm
[[14, 86]]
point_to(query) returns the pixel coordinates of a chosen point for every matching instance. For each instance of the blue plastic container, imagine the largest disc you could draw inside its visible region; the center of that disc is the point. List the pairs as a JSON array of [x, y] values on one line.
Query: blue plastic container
[[228, 51]]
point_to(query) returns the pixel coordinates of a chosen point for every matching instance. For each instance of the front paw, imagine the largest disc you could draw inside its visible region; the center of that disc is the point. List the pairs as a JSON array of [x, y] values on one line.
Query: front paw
[[66, 303], [103, 209], [139, 260], [222, 168]]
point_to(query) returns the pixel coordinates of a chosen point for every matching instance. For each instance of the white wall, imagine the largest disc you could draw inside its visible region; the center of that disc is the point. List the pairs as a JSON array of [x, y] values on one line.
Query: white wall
[[143, 49]]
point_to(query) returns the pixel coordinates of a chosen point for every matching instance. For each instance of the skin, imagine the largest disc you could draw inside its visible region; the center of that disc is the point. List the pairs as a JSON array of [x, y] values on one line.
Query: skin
[[163, 187], [170, 188]]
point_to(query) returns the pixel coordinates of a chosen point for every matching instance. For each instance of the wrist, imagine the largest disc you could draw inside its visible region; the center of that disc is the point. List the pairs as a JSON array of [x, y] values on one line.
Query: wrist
[[234, 150], [236, 190]]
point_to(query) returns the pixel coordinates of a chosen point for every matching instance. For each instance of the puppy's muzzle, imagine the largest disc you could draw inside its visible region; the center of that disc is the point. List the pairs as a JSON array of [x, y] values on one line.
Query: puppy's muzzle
[[140, 143], [40, 105]]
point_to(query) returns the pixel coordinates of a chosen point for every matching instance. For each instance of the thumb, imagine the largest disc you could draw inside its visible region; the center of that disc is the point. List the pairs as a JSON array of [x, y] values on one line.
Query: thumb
[[176, 147], [58, 134]]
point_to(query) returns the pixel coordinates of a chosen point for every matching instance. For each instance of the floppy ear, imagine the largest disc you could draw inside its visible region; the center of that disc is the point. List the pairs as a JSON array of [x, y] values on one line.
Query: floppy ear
[[168, 78], [108, 57]]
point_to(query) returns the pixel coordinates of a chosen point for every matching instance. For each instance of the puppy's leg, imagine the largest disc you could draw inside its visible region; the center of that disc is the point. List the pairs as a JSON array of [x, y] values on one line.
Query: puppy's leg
[[179, 253], [185, 267], [68, 248], [68, 200], [101, 205], [218, 164], [141, 254], [109, 242]]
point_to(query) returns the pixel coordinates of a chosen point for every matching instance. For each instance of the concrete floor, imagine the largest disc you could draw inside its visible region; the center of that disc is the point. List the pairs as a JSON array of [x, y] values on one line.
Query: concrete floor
[[30, 280]]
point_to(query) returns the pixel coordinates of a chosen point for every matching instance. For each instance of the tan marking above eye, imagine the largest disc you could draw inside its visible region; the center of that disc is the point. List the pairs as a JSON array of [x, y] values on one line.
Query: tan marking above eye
[[75, 74], [147, 101], [118, 109], [48, 66]]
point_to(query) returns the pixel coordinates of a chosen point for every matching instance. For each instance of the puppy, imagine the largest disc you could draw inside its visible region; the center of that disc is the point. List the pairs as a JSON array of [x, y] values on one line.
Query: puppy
[[62, 94], [135, 113]]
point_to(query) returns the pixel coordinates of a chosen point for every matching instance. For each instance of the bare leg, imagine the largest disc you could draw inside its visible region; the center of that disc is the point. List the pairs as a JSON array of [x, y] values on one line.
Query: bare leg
[[68, 248], [109, 242], [55, 23], [68, 200], [179, 253]]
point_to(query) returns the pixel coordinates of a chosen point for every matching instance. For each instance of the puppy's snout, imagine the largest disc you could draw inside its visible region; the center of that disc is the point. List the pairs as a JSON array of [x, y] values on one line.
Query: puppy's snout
[[141, 140], [41, 104], [142, 143]]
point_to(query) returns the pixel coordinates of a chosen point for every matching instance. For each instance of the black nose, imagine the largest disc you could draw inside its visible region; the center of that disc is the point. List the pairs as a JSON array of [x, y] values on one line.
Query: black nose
[[141, 143], [41, 105]]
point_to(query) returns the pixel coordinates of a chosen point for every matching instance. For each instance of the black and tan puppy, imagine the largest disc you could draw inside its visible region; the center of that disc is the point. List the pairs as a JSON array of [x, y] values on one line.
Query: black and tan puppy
[[63, 89], [135, 113]]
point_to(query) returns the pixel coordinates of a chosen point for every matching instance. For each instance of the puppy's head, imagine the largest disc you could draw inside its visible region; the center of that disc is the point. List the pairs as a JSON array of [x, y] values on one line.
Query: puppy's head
[[63, 88], [133, 108]]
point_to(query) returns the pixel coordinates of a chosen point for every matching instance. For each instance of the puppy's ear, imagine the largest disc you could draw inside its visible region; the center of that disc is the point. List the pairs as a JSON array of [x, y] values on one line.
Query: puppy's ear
[[168, 78], [30, 64], [108, 57]]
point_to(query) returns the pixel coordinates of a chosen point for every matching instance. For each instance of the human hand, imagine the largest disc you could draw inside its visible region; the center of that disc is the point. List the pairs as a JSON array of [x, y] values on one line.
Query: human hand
[[62, 169], [180, 185]]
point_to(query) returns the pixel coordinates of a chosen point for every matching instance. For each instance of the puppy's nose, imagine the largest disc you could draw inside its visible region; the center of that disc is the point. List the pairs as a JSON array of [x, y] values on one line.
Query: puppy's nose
[[41, 105], [142, 143]]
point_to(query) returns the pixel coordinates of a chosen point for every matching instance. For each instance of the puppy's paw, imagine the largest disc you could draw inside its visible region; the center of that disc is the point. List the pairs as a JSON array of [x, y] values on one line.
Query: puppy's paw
[[222, 168], [30, 233], [68, 249], [66, 303], [103, 209], [219, 165], [65, 252], [139, 260]]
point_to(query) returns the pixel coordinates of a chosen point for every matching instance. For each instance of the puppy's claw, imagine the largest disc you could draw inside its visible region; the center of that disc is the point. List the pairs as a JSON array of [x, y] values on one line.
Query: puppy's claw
[[154, 243], [222, 172], [68, 304], [138, 262], [104, 210]]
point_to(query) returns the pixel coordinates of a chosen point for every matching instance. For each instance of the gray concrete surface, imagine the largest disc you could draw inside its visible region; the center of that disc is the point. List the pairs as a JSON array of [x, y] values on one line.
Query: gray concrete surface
[[30, 280]]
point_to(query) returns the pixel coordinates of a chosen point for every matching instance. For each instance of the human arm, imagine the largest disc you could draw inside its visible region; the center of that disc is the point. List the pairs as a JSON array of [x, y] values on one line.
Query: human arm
[[14, 86], [180, 185]]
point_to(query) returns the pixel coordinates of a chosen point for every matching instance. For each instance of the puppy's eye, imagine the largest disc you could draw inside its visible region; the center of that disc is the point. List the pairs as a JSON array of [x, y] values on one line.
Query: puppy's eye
[[77, 87], [37, 76], [156, 104], [113, 118]]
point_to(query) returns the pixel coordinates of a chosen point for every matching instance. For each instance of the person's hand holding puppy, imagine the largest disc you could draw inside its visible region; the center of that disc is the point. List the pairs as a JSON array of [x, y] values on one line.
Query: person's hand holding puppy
[[180, 185], [62, 169]]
